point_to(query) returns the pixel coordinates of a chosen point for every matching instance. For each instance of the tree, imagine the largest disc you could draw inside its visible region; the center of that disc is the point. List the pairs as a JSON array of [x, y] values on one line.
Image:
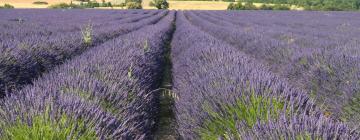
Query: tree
[[235, 6], [248, 5], [229, 0], [316, 4], [7, 6], [133, 4], [160, 4], [82, 1], [280, 7]]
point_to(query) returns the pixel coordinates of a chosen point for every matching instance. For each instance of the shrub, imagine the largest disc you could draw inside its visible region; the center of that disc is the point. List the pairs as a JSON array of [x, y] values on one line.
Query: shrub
[[137, 1], [7, 6], [133, 5], [83, 0], [122, 5], [40, 3], [106, 4], [265, 7], [229, 0], [281, 7], [331, 8], [91, 4], [231, 6], [64, 6], [160, 4], [249, 6], [240, 6], [234, 6]]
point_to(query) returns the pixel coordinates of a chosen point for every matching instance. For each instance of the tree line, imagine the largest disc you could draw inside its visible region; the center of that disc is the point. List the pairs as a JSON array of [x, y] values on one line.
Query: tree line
[[328, 5]]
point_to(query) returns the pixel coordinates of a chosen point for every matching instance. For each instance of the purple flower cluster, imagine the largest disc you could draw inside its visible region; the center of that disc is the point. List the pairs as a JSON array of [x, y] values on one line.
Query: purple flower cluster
[[109, 87]]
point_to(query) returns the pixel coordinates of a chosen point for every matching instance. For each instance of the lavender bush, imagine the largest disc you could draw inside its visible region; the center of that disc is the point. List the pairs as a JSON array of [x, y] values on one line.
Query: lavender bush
[[105, 93], [31, 49], [98, 74], [314, 51], [223, 93]]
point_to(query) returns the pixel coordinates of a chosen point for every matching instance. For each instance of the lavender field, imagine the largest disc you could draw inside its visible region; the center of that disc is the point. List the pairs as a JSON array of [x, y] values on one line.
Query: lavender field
[[159, 74]]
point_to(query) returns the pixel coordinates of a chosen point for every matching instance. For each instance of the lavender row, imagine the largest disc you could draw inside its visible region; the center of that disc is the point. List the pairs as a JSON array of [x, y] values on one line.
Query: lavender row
[[19, 24], [111, 89], [316, 24], [221, 93], [338, 29], [33, 33], [327, 74], [20, 64]]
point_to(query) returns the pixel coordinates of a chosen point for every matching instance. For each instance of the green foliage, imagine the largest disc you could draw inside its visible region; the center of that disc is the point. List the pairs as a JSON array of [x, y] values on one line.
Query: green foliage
[[306, 136], [352, 109], [265, 7], [44, 127], [122, 5], [40, 3], [328, 5], [241, 6], [87, 34], [280, 7], [224, 123], [231, 6], [7, 6], [90, 4], [83, 4], [65, 6], [106, 4], [136, 1], [133, 5], [229, 0], [87, 95], [93, 4], [160, 4], [83, 0], [78, 91], [250, 6]]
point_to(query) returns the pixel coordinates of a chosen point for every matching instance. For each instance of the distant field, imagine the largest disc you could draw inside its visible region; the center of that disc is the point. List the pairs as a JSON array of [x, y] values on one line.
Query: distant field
[[174, 5], [198, 5], [29, 3]]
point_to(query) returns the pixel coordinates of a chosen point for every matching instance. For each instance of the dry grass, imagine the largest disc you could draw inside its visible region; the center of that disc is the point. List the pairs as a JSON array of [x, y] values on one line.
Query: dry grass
[[28, 3], [198, 5], [192, 5]]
